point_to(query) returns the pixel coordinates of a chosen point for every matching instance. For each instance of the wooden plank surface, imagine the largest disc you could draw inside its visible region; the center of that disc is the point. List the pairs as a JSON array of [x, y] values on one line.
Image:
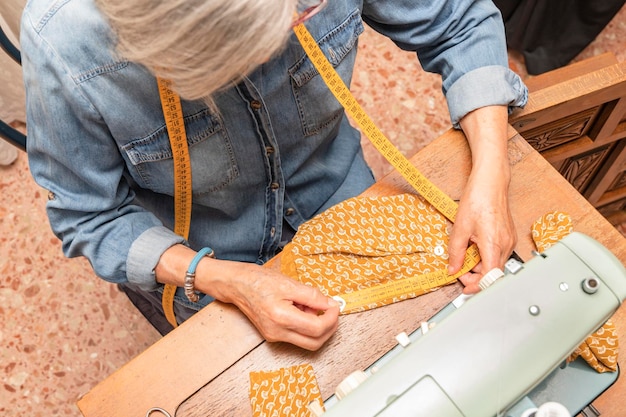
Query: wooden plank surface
[[176, 366], [207, 360], [361, 338]]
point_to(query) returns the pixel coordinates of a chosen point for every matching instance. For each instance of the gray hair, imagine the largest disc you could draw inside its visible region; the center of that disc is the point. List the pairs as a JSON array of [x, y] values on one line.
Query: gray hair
[[201, 46]]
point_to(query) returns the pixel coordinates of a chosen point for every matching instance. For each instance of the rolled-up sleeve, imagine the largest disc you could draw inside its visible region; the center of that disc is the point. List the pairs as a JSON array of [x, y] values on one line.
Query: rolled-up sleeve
[[144, 255], [486, 86]]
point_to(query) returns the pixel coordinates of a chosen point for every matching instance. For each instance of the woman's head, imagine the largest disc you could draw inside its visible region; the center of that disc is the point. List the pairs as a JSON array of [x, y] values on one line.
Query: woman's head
[[200, 45]]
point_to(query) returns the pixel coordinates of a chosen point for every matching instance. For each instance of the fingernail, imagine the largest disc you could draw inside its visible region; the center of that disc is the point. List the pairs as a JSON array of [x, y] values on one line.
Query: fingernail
[[332, 302]]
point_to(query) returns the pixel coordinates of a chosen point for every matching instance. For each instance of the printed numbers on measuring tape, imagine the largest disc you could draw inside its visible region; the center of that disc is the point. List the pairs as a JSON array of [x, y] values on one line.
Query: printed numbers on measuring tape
[[420, 183], [172, 111], [441, 201], [392, 291]]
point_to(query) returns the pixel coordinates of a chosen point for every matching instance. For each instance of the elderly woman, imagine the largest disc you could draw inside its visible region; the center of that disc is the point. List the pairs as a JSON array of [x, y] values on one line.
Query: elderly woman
[[269, 145]]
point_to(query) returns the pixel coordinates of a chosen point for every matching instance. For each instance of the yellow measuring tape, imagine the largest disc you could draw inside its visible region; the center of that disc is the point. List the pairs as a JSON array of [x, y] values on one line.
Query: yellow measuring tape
[[182, 173], [393, 291], [357, 300], [172, 110]]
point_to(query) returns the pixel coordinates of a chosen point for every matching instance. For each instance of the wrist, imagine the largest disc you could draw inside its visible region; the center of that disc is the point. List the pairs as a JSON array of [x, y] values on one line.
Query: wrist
[[217, 277], [174, 264], [190, 275]]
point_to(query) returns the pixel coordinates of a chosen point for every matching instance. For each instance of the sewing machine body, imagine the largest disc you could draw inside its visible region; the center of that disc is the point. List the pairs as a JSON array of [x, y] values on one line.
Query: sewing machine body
[[484, 358]]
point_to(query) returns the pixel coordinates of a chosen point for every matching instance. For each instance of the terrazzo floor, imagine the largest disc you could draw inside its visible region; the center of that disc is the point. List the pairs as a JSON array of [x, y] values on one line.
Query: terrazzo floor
[[64, 330]]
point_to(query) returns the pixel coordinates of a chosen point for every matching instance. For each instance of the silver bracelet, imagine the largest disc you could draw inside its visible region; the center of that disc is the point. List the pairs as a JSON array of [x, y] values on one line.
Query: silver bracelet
[[190, 276]]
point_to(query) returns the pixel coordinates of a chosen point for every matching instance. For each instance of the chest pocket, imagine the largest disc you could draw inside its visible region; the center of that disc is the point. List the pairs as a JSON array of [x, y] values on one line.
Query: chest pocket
[[213, 162], [317, 106]]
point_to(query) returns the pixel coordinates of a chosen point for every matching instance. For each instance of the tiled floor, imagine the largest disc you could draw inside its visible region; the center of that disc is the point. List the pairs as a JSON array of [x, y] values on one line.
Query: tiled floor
[[63, 330]]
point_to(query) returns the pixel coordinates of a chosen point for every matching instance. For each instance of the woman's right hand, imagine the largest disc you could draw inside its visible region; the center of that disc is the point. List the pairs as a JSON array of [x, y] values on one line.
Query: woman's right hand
[[281, 308]]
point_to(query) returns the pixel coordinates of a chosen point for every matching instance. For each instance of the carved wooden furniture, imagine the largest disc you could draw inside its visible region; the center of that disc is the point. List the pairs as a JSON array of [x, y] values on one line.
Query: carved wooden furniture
[[576, 119]]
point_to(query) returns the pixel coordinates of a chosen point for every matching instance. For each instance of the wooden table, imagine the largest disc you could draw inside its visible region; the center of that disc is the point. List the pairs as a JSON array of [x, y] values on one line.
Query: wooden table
[[202, 368]]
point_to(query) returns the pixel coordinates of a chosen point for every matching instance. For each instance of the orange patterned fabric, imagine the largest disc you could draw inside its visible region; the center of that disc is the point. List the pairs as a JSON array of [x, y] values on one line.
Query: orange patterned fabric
[[284, 393], [550, 228], [600, 349], [365, 242]]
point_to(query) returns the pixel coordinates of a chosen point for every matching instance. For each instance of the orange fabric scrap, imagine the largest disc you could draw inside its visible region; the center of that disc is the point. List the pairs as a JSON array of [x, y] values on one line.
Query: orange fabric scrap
[[284, 393]]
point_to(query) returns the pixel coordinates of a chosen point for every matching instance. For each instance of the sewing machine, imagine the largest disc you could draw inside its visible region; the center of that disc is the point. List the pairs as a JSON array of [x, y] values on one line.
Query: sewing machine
[[499, 352]]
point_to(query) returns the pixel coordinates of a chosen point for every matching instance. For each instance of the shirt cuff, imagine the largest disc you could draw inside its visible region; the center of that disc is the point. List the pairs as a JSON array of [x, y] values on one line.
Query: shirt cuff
[[144, 255], [485, 86]]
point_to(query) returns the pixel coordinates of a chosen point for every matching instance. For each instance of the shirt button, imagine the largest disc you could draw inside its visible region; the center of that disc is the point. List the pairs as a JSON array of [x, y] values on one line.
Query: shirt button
[[275, 186], [272, 231], [269, 150], [255, 104], [289, 211]]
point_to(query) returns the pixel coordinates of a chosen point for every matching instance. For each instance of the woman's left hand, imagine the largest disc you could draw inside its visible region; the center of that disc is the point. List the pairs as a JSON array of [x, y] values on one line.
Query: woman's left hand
[[484, 216]]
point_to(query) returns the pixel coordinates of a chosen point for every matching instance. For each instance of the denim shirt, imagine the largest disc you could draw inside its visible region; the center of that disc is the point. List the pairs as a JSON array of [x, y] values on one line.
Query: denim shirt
[[279, 151]]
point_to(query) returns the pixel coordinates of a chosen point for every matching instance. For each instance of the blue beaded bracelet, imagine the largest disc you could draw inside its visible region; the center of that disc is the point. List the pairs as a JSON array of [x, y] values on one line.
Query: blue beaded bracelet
[[190, 276]]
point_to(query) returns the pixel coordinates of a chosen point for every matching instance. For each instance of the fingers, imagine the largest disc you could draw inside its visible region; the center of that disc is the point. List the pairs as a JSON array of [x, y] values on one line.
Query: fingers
[[457, 246], [284, 310], [311, 319], [311, 297], [490, 227], [310, 330], [490, 257], [471, 282], [495, 247], [301, 326]]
